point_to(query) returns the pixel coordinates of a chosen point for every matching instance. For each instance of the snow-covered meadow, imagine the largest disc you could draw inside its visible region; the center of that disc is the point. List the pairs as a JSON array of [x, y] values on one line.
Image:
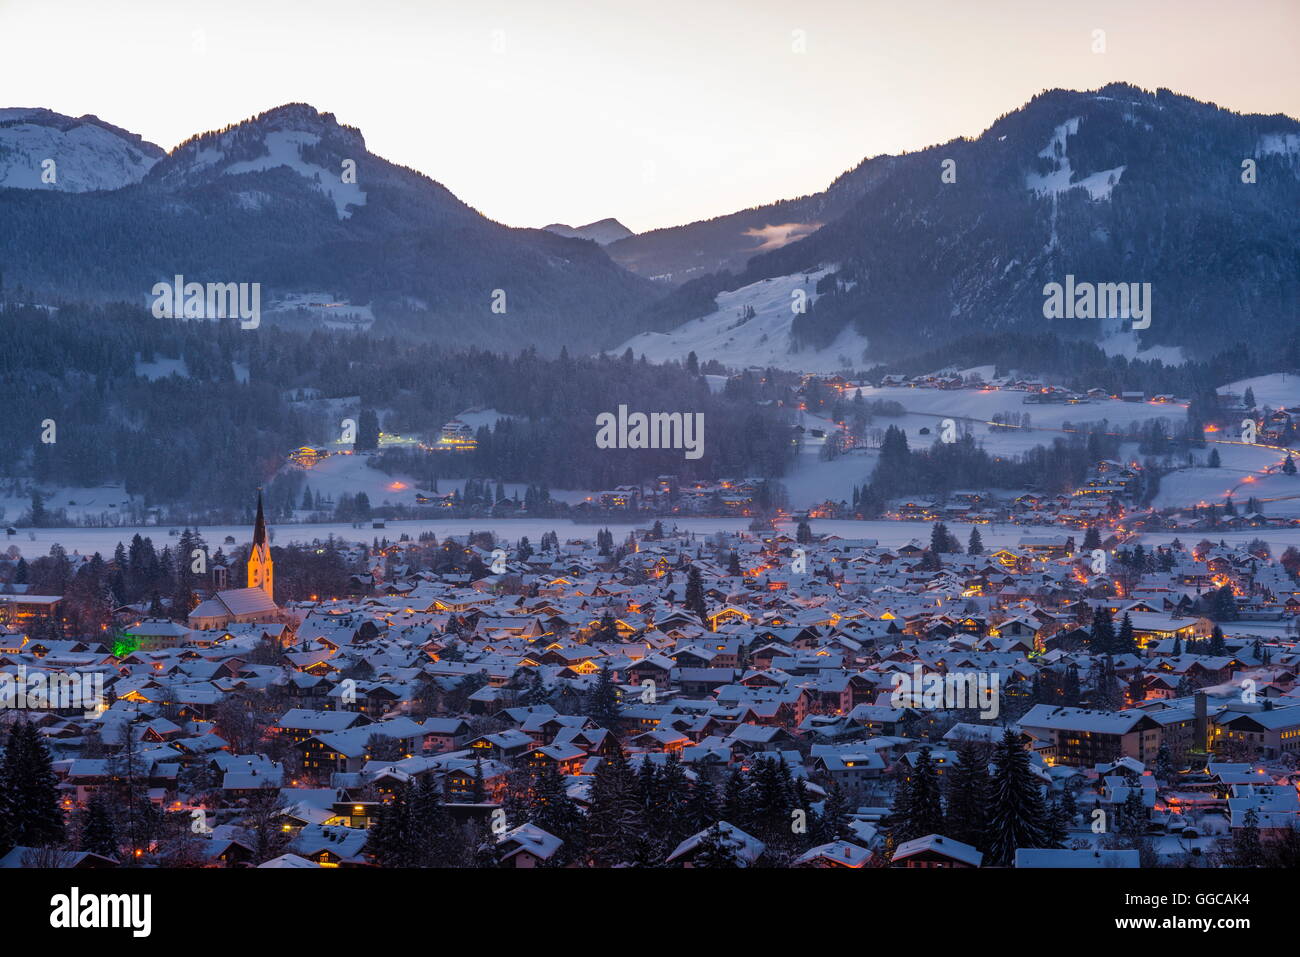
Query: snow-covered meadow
[[762, 340]]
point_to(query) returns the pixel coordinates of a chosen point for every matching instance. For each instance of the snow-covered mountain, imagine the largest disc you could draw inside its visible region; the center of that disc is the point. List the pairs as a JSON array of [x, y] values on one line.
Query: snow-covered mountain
[[1152, 190], [293, 200], [602, 232], [41, 149], [295, 137], [751, 328]]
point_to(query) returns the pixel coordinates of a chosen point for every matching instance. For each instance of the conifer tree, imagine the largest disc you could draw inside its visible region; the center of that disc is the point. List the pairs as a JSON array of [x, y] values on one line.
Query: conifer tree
[[607, 630], [1125, 640], [1058, 824], [1102, 637], [833, 823], [1164, 769], [736, 805], [1071, 694], [921, 812], [701, 807], [438, 837], [29, 797], [613, 818], [1217, 644], [1133, 816], [392, 840], [940, 538], [675, 795], [968, 796], [98, 833], [1069, 806], [556, 813], [1247, 849], [695, 595], [602, 704], [1017, 815]]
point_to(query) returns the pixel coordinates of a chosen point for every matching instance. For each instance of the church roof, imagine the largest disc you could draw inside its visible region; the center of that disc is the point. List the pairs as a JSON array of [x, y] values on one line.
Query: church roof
[[235, 602]]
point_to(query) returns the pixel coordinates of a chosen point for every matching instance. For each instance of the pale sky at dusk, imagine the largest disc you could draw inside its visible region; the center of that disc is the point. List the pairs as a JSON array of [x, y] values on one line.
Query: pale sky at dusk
[[656, 113]]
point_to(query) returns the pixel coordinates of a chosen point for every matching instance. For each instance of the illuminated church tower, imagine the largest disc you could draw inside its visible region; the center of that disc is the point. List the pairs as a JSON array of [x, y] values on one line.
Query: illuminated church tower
[[261, 572]]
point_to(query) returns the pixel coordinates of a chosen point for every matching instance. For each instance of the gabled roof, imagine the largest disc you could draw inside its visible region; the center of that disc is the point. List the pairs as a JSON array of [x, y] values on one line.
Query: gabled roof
[[939, 844]]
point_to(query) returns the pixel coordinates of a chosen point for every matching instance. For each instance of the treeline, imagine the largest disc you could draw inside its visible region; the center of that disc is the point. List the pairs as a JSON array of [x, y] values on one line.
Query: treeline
[[944, 467], [212, 436], [636, 817]]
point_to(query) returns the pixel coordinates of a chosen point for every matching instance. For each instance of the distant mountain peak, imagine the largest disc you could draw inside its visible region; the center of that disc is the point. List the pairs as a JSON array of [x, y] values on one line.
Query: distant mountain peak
[[602, 232], [295, 136], [44, 150], [292, 199], [1114, 185]]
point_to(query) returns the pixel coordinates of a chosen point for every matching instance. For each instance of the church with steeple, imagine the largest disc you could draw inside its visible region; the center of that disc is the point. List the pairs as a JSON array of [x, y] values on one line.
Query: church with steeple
[[261, 570], [256, 603]]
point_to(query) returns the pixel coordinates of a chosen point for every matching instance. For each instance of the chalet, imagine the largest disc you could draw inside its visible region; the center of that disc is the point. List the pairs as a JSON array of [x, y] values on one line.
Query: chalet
[[527, 845], [935, 850], [745, 848], [834, 854], [563, 758]]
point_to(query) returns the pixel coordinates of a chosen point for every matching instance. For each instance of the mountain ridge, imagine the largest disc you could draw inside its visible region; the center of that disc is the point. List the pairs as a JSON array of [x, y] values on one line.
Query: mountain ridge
[[602, 232], [44, 150], [1115, 184], [292, 199]]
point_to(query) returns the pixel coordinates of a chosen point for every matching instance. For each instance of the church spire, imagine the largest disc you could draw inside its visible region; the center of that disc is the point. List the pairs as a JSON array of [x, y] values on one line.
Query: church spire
[[259, 528], [261, 569]]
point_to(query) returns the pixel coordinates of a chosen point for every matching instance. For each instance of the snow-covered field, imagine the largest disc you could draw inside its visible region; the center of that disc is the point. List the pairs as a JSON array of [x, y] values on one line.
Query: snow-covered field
[[811, 481], [161, 367], [477, 418], [103, 540], [349, 474], [1279, 390], [80, 504], [981, 405], [763, 340], [32, 543], [975, 409], [1245, 471], [1126, 344]]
